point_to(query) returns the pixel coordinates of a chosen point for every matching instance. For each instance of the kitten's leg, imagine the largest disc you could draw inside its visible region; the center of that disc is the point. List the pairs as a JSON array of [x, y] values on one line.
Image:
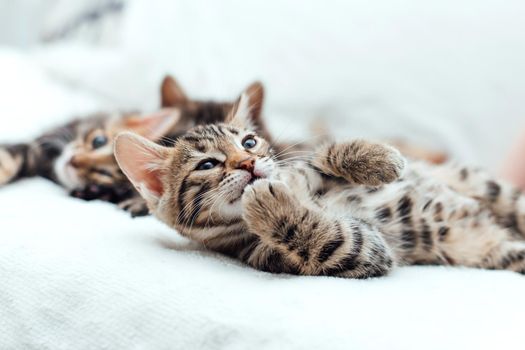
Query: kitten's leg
[[310, 242], [360, 162], [13, 162], [504, 200], [479, 242]]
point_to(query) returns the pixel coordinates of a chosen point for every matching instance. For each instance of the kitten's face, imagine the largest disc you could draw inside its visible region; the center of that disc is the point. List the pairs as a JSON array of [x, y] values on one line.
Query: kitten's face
[[209, 168], [86, 153], [200, 181]]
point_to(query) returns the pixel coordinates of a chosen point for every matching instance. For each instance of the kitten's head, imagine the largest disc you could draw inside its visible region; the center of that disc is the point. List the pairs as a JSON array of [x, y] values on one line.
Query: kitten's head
[[84, 148], [200, 181]]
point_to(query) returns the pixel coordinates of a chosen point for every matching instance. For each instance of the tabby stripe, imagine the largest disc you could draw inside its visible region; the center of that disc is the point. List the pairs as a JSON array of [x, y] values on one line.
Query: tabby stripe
[[212, 131], [354, 198], [512, 258], [180, 200], [426, 236], [245, 253], [427, 205], [233, 131], [404, 208], [493, 191], [438, 212], [350, 261], [443, 232], [192, 139], [329, 248], [371, 190], [270, 188], [409, 239], [197, 139], [211, 221], [384, 214], [305, 215], [197, 202]]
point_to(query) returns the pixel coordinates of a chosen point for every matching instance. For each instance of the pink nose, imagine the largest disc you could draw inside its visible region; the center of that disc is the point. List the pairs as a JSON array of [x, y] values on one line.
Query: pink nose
[[247, 164]]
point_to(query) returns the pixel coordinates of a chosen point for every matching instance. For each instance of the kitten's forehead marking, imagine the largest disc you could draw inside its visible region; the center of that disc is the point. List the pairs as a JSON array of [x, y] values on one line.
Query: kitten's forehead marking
[[210, 138]]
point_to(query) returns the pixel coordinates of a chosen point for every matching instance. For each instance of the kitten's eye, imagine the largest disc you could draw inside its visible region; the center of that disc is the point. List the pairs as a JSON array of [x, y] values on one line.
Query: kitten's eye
[[249, 142], [207, 164], [99, 141]]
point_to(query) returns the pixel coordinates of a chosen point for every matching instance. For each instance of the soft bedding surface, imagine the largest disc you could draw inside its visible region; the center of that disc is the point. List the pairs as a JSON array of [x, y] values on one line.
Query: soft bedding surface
[[79, 275]]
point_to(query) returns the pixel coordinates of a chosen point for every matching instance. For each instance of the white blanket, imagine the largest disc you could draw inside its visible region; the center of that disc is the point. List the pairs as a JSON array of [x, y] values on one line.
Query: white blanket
[[78, 275]]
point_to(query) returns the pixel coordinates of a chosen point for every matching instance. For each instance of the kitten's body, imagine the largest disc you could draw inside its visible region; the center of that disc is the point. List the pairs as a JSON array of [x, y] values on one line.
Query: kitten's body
[[348, 211]]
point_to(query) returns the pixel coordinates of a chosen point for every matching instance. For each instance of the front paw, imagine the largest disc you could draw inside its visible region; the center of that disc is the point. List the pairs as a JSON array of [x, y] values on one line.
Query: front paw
[[135, 206], [363, 163], [266, 202], [386, 164], [87, 193]]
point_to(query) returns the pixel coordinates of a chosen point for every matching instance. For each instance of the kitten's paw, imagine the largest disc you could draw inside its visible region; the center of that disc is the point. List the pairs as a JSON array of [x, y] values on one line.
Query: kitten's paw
[[363, 162], [135, 206], [87, 193], [266, 201], [386, 163], [9, 166]]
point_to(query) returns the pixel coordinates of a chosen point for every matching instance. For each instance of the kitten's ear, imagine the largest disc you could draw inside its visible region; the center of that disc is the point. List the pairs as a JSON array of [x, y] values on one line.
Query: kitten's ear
[[155, 125], [143, 162], [246, 112], [171, 93]]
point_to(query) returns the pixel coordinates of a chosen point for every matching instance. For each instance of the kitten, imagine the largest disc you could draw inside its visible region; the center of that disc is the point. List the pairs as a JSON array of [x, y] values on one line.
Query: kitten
[[354, 209], [79, 155]]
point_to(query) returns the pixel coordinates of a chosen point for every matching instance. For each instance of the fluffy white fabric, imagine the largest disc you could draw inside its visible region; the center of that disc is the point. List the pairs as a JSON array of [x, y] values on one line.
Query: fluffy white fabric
[[78, 275]]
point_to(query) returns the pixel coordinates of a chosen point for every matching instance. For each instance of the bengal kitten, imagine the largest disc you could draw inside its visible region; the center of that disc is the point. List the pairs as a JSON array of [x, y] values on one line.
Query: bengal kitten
[[79, 155], [353, 209]]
